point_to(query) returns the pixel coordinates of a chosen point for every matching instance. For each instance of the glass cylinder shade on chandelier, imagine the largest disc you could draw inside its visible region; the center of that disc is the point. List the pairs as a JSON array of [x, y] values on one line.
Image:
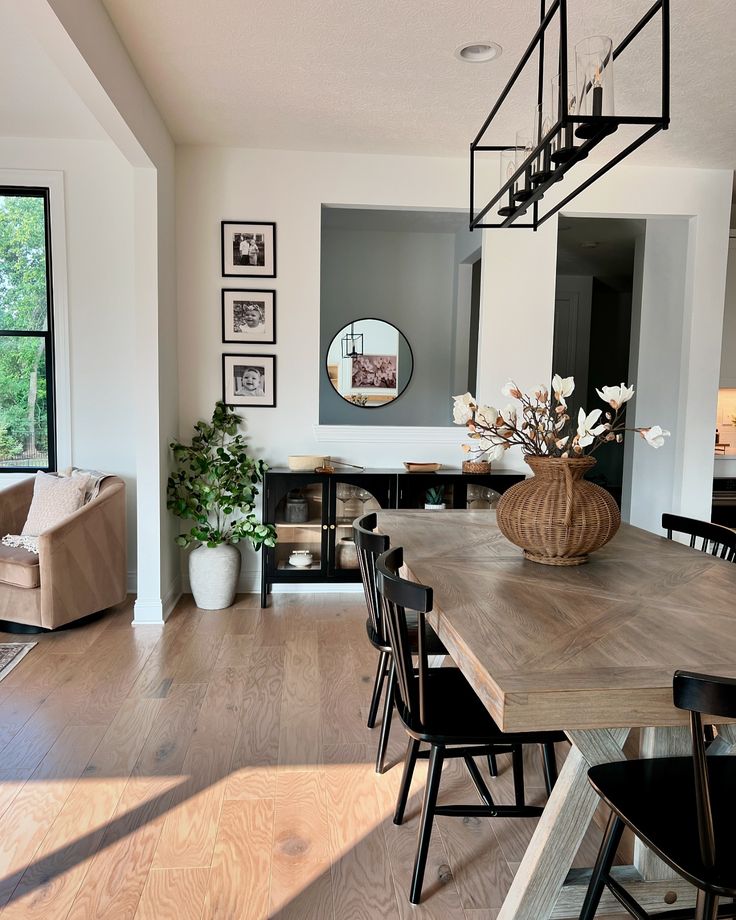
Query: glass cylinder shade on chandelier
[[564, 147], [507, 160], [594, 81], [542, 169], [524, 147]]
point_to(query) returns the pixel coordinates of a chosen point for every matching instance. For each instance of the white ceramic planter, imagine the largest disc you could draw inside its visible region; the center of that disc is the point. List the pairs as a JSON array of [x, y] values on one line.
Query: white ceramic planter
[[428, 507], [213, 575]]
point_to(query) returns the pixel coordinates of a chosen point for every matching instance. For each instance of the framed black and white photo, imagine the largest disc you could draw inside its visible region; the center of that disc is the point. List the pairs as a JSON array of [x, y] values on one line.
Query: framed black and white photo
[[249, 317], [248, 249], [249, 380]]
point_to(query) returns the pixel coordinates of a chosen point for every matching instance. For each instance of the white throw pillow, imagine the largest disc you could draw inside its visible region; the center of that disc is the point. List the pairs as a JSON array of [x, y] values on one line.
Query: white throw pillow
[[54, 499]]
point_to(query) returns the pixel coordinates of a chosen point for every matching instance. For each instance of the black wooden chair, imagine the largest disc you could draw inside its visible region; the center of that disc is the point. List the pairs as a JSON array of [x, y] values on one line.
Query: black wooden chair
[[438, 706], [715, 539], [370, 545], [682, 808]]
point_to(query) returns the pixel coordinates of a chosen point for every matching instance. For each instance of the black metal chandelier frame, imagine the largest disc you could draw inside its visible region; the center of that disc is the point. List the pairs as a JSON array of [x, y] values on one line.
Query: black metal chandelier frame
[[605, 124], [352, 343]]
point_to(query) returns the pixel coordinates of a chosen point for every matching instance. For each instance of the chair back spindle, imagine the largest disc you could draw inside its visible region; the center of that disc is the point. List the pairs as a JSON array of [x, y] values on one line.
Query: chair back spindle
[[715, 539], [397, 596], [702, 694], [369, 546]]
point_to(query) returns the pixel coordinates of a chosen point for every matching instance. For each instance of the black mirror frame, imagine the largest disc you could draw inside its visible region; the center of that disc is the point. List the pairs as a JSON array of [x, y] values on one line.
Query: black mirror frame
[[376, 319]]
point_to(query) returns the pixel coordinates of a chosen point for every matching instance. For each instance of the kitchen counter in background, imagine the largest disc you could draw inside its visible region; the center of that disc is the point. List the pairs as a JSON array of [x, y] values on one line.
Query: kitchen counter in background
[[725, 466]]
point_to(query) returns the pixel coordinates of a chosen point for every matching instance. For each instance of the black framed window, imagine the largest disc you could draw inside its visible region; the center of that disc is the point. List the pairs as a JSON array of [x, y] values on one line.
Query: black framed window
[[27, 429]]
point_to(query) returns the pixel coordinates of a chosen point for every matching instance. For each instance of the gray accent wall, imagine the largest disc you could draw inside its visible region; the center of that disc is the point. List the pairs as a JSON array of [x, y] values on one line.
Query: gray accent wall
[[408, 279]]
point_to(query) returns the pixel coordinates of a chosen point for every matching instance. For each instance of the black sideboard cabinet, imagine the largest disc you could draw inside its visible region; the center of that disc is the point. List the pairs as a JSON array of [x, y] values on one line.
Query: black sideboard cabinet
[[314, 513]]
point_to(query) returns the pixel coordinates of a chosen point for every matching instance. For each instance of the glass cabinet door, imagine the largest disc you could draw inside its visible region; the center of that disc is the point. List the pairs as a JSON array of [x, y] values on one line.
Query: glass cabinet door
[[352, 500], [301, 529]]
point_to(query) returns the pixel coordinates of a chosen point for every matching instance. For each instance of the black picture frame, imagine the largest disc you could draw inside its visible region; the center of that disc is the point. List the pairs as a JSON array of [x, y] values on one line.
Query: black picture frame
[[232, 366], [228, 301], [260, 232]]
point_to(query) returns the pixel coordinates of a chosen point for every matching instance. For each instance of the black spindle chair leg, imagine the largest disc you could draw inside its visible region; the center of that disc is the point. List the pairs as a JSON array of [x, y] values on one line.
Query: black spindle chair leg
[[388, 710], [706, 907], [550, 766], [517, 764], [436, 758], [377, 688], [602, 867], [409, 764], [492, 764]]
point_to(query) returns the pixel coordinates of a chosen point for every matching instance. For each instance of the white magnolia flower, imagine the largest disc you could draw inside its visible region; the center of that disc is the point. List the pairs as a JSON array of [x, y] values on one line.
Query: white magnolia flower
[[510, 389], [616, 396], [509, 414], [463, 409], [493, 451], [654, 436], [586, 432], [562, 387], [487, 415]]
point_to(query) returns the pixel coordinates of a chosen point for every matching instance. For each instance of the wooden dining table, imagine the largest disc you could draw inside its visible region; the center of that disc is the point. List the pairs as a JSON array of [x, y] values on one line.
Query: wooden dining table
[[588, 649]]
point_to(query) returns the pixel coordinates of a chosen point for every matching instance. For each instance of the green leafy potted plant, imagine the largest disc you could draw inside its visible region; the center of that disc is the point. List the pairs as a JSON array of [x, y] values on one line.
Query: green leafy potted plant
[[434, 499], [215, 487]]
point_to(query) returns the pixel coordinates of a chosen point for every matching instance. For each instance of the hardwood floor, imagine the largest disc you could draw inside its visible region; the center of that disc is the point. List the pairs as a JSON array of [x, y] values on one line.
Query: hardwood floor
[[220, 767]]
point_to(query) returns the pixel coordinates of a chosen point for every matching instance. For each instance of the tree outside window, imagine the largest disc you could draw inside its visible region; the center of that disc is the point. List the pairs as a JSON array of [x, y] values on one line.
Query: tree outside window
[[26, 353]]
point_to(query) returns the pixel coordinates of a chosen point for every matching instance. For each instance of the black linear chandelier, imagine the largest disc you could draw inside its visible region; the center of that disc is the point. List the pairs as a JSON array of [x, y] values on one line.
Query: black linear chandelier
[[352, 343], [567, 123]]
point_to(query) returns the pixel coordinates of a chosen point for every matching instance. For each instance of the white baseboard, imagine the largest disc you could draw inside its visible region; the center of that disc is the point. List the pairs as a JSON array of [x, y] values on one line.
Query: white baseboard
[[172, 597], [250, 583], [148, 612], [306, 588]]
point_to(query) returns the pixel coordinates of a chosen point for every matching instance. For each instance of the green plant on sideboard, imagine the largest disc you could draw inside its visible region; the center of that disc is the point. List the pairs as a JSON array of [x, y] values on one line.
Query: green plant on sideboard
[[435, 495], [215, 485]]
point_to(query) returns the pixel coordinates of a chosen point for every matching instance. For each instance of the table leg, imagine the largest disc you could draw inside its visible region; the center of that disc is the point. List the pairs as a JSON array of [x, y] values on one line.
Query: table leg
[[725, 743], [659, 742], [569, 811]]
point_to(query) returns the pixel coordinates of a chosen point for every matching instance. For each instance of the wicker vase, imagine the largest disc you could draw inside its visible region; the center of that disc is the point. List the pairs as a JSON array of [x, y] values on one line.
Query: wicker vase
[[557, 517]]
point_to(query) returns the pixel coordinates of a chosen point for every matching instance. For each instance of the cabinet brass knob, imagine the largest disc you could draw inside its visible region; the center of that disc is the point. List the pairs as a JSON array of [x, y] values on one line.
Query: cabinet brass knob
[[324, 527], [332, 526]]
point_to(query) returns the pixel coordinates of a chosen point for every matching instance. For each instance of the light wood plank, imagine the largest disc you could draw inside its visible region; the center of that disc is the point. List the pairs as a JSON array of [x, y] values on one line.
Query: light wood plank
[[190, 828], [241, 863], [28, 819], [253, 768], [299, 737], [50, 884], [117, 873], [300, 869], [362, 882], [173, 894]]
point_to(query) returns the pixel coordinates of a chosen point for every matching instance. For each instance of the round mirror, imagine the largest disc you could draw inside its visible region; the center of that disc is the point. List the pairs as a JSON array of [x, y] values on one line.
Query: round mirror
[[369, 363]]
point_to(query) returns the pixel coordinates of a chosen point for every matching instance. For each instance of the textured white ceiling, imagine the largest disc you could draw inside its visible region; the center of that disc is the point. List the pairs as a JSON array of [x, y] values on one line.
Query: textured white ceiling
[[36, 101], [379, 76]]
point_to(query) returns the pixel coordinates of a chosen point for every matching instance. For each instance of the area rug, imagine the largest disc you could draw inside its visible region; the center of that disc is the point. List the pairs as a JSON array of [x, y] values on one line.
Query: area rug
[[11, 653]]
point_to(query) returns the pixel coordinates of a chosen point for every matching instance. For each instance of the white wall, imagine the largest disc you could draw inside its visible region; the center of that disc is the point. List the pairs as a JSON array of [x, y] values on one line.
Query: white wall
[[517, 298], [654, 485], [98, 205], [81, 40]]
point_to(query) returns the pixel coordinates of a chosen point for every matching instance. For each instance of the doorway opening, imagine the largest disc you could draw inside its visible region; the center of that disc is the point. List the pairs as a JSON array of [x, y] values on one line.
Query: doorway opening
[[595, 291]]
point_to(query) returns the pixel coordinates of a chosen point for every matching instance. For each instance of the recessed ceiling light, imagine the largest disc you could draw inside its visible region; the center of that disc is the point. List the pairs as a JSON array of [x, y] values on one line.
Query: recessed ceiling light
[[478, 52]]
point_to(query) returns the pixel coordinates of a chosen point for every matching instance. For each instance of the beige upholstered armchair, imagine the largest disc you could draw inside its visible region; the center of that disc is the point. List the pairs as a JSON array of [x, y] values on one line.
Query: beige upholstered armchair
[[81, 563]]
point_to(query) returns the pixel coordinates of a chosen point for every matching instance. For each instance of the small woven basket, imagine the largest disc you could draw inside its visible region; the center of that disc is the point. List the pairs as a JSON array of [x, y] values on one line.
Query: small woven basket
[[556, 516], [476, 466]]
